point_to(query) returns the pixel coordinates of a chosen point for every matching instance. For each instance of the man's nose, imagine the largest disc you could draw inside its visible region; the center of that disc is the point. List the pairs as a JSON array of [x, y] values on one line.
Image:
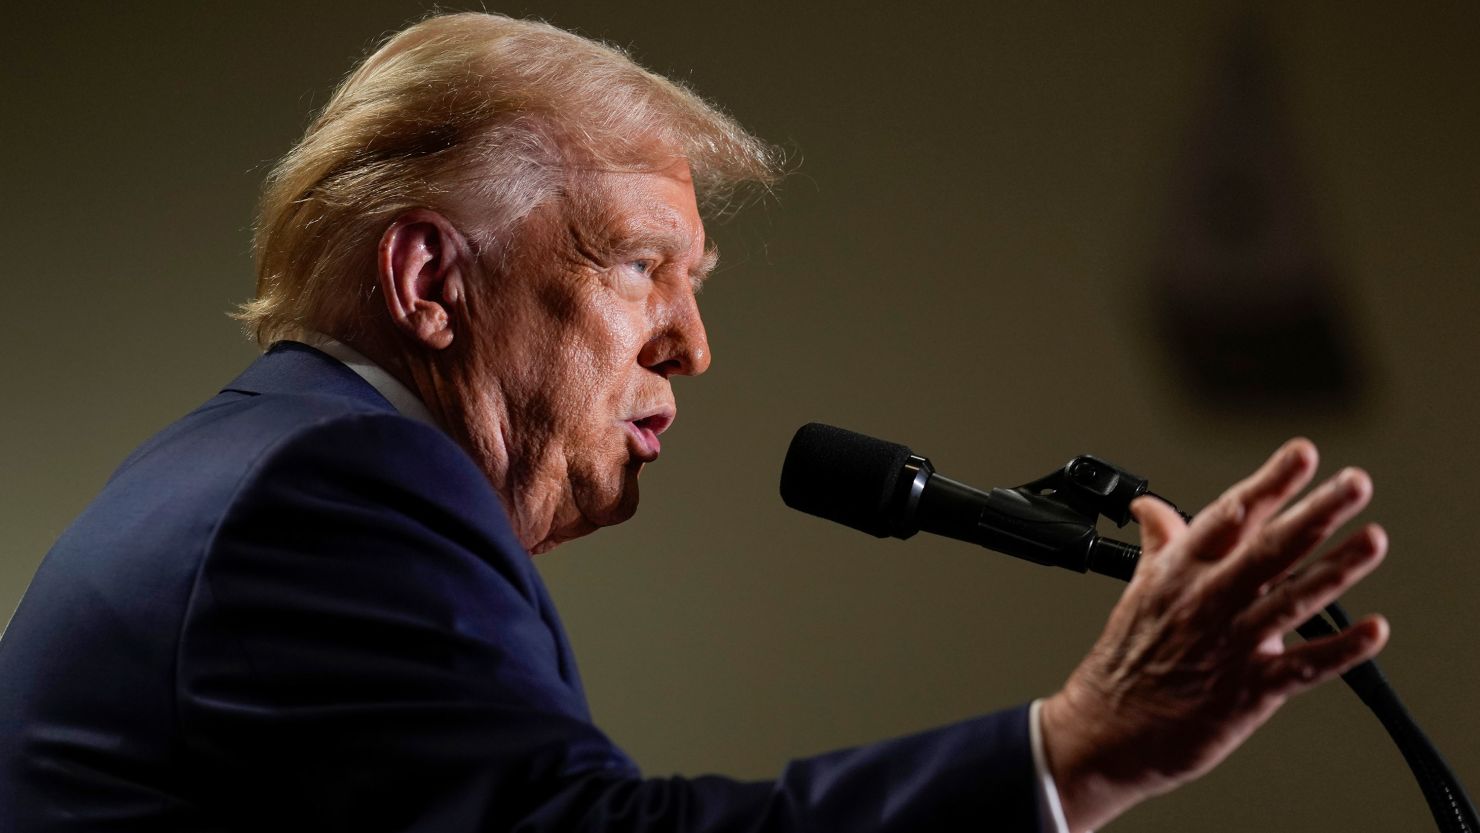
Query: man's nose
[[680, 346]]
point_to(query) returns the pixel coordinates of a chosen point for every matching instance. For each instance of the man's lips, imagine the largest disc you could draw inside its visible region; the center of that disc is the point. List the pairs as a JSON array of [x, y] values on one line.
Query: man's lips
[[644, 431]]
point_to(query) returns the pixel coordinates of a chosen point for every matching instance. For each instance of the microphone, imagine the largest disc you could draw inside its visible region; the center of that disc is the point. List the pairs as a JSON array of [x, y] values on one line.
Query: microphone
[[886, 490]]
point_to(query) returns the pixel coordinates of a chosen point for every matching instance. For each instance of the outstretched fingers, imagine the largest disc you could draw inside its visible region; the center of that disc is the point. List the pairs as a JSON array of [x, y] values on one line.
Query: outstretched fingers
[[1296, 533], [1228, 521], [1300, 596], [1301, 667]]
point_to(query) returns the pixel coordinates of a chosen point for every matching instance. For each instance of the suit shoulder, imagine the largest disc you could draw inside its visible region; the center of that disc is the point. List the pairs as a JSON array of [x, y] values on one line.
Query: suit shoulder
[[382, 463]]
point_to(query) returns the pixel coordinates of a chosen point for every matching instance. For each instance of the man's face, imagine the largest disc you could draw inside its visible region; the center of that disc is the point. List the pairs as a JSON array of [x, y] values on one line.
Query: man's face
[[574, 341]]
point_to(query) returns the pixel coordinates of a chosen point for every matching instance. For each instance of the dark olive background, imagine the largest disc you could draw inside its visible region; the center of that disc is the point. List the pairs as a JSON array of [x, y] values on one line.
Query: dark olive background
[[960, 262]]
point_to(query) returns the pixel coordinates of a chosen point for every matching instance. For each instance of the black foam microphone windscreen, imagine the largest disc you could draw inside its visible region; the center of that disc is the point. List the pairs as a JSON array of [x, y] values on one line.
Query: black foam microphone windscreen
[[843, 476]]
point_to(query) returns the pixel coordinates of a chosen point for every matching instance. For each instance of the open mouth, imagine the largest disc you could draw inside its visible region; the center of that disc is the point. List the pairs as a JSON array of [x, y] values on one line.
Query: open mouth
[[657, 423], [645, 431]]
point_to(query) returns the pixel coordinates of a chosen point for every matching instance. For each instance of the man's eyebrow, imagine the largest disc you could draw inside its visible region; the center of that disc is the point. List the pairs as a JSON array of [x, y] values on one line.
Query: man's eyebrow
[[706, 264], [666, 238]]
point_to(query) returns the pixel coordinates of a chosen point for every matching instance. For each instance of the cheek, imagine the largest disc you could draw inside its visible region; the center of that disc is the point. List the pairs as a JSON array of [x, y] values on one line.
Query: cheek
[[605, 349], [581, 380]]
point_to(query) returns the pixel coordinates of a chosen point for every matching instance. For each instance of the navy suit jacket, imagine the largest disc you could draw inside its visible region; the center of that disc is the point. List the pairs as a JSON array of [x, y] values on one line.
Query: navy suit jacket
[[296, 609]]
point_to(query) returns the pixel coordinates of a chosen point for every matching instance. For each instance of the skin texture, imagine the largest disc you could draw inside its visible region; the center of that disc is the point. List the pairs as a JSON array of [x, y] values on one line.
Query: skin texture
[[1193, 660], [553, 366]]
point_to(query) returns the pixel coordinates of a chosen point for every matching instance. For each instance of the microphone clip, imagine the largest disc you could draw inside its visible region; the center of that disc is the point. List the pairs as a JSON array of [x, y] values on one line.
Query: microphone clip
[[1091, 487]]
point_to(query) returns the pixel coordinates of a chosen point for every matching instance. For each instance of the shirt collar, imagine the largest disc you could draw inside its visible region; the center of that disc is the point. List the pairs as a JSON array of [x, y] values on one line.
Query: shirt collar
[[376, 376]]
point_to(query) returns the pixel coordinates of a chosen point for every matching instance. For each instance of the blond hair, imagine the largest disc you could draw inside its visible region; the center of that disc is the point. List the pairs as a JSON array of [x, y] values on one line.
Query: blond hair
[[479, 106]]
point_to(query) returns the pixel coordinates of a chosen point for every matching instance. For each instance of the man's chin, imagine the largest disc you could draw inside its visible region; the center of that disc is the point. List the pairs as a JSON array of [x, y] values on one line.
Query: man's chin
[[618, 509], [623, 507]]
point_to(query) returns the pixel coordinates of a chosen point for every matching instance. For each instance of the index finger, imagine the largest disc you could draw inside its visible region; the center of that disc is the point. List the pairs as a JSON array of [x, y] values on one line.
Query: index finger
[[1226, 522]]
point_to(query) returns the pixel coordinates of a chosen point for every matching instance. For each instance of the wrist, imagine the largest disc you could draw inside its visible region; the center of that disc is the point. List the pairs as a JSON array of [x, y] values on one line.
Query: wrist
[[1085, 766]]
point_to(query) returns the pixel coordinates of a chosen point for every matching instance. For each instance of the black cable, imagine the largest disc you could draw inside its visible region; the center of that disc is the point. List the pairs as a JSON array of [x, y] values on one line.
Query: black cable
[[1448, 802], [1338, 615]]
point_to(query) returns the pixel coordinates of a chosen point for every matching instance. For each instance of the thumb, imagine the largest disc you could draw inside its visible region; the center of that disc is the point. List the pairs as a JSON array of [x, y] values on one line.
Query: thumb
[[1159, 523]]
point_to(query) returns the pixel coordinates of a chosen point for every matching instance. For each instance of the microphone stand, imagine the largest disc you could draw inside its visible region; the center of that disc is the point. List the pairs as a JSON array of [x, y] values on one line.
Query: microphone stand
[[1088, 488]]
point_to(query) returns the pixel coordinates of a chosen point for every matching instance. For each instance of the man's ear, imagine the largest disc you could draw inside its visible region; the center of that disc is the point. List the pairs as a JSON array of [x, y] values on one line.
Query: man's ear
[[424, 264]]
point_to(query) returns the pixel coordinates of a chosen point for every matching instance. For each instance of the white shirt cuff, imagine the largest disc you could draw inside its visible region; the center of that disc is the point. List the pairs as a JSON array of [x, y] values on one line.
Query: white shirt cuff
[[1049, 807]]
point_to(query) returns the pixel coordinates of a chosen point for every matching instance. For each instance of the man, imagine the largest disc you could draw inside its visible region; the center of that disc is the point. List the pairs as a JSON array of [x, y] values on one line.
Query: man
[[309, 603]]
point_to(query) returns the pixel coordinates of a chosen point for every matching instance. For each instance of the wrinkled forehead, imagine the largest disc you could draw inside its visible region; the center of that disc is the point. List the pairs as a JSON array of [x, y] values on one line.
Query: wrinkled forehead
[[637, 207]]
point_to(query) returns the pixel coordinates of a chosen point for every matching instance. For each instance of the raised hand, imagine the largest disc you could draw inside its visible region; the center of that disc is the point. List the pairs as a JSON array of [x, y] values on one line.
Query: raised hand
[[1193, 658]]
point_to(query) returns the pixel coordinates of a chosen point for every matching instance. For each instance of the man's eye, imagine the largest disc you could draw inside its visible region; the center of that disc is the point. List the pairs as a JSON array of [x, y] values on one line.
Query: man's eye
[[643, 265]]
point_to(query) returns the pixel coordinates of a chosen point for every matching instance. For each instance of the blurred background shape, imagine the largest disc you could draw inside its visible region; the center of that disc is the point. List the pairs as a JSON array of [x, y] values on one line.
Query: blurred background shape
[[1246, 296]]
